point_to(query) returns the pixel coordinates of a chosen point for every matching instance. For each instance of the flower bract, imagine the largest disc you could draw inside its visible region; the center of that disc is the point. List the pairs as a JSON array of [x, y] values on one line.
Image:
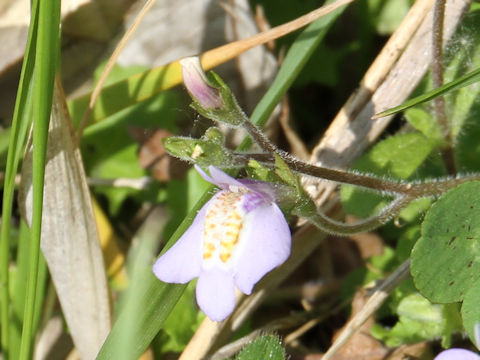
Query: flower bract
[[237, 237]]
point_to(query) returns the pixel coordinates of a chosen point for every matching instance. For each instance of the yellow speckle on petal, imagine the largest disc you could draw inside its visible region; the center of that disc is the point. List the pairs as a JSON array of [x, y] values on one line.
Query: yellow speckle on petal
[[225, 256], [223, 224]]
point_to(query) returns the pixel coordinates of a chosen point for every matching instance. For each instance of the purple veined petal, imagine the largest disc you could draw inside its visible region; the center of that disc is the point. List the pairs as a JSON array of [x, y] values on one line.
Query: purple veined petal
[[223, 179], [182, 262], [457, 354], [216, 293], [218, 177], [204, 175], [265, 189], [267, 245]]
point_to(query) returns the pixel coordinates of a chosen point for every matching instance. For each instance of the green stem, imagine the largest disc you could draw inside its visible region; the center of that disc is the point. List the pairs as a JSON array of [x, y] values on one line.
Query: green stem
[[46, 58], [332, 226]]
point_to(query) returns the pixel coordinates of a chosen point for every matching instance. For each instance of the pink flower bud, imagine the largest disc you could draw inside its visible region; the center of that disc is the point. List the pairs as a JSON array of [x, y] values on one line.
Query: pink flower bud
[[198, 85]]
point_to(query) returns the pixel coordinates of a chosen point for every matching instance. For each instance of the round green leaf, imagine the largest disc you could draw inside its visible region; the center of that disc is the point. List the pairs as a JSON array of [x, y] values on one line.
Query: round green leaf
[[446, 259]]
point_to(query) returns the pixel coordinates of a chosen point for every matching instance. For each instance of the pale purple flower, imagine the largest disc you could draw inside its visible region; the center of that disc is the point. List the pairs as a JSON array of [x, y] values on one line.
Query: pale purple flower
[[457, 354], [461, 354], [237, 237], [198, 85]]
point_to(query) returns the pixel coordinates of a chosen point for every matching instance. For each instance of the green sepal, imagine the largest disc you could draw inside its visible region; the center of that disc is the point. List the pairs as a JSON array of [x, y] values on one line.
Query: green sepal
[[204, 152], [230, 112]]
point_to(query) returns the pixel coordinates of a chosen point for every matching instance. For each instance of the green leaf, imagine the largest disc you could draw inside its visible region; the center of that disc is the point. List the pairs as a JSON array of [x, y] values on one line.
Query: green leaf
[[425, 123], [419, 320], [445, 261], [21, 121], [46, 59], [255, 170], [4, 140], [284, 172], [182, 323], [397, 157], [462, 56], [118, 157], [471, 311], [203, 152], [125, 93], [265, 347], [387, 15], [230, 112], [452, 322]]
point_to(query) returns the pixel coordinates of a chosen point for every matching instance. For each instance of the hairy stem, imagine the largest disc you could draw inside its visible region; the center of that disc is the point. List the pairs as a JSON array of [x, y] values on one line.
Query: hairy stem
[[432, 187], [437, 75], [332, 226]]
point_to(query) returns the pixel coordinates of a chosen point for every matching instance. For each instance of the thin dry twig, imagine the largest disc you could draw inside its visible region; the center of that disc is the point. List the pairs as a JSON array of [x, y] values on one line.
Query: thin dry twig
[[372, 305], [111, 63], [140, 183]]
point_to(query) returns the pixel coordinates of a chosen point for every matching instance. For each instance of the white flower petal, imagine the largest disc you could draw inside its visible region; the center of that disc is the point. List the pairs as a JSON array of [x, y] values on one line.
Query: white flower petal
[[267, 245], [216, 294], [182, 262], [457, 354]]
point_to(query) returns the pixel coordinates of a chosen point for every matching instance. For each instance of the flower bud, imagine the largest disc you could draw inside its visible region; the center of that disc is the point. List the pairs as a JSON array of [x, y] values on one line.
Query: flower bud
[[197, 84]]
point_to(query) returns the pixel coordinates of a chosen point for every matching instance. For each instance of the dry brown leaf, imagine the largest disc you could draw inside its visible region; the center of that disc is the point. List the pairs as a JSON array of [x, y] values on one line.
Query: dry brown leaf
[[69, 238]]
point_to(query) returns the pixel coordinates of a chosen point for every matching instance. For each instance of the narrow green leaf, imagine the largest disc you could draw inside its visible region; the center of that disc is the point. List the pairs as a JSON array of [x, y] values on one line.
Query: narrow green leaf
[[445, 261], [20, 125], [297, 57], [46, 56], [461, 82], [19, 290]]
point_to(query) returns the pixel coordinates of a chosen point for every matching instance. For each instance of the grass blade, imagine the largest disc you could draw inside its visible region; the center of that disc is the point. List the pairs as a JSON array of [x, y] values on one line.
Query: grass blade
[[459, 83], [19, 129], [46, 56]]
